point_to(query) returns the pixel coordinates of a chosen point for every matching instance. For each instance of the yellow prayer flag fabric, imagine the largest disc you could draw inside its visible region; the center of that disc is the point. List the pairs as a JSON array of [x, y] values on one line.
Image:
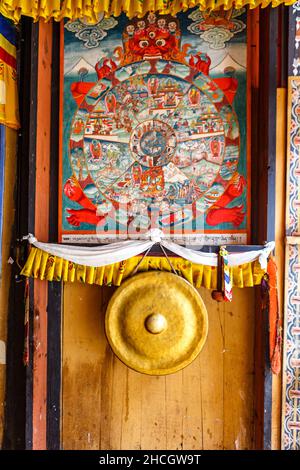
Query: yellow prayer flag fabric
[[44, 266], [90, 9]]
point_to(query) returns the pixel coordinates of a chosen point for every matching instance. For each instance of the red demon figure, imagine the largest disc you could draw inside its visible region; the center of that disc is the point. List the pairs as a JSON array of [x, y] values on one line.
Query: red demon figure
[[152, 43]]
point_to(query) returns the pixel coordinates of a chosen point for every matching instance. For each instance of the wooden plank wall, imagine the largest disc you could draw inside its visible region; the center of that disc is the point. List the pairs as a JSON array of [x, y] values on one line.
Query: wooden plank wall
[[208, 405]]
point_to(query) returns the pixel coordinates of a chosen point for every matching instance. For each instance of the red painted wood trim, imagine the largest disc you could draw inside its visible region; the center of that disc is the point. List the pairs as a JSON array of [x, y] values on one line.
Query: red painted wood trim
[[43, 133], [61, 107], [252, 83]]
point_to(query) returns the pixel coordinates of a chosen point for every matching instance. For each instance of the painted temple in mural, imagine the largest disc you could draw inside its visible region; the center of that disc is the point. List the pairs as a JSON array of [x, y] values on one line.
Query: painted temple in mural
[[154, 128]]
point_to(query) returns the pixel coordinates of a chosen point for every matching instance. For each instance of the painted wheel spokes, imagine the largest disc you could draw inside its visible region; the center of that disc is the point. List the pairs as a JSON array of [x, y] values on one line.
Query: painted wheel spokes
[[155, 142], [117, 139]]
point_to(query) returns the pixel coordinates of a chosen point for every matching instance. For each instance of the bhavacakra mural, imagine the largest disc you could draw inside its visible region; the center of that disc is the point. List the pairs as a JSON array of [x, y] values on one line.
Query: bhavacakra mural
[[154, 128]]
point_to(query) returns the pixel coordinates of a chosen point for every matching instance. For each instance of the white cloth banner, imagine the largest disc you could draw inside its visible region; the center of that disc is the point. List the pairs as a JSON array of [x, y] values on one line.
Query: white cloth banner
[[211, 259], [94, 256], [104, 255]]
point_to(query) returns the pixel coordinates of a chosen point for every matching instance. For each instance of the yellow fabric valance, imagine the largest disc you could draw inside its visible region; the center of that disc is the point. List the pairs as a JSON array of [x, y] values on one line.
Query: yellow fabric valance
[[42, 265], [90, 9]]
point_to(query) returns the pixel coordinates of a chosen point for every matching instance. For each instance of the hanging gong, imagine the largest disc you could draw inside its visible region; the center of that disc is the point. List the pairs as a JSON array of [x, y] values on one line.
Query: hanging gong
[[156, 323]]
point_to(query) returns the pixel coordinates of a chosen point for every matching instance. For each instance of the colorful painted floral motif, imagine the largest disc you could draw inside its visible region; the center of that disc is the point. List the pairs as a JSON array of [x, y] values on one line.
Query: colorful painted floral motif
[[291, 364]]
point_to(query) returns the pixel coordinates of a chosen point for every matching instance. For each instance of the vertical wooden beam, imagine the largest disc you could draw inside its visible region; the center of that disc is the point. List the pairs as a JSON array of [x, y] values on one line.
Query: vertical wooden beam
[[271, 200], [31, 34], [280, 203], [264, 175], [43, 134], [54, 288], [280, 247], [272, 111], [252, 94], [257, 175]]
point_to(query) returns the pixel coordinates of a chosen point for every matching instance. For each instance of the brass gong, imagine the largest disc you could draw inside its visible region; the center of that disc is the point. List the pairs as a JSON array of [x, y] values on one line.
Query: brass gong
[[156, 323]]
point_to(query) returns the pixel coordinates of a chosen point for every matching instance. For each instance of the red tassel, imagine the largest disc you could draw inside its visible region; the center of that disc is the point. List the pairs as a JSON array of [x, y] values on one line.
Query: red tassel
[[275, 327]]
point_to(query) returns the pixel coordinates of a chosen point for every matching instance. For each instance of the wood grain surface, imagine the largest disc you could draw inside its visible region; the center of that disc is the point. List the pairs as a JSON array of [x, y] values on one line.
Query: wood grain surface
[[208, 405]]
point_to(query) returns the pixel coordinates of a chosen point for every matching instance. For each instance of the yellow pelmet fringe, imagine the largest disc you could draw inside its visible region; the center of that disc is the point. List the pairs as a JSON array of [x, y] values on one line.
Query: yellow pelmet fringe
[[41, 265], [89, 9]]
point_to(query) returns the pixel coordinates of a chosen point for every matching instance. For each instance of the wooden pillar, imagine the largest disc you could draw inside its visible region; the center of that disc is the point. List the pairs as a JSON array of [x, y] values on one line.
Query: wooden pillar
[[263, 147], [39, 211], [280, 248], [54, 288], [41, 226]]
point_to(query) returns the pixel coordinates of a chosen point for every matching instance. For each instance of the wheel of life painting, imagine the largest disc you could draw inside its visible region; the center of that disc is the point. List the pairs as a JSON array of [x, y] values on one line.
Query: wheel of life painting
[[157, 138]]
